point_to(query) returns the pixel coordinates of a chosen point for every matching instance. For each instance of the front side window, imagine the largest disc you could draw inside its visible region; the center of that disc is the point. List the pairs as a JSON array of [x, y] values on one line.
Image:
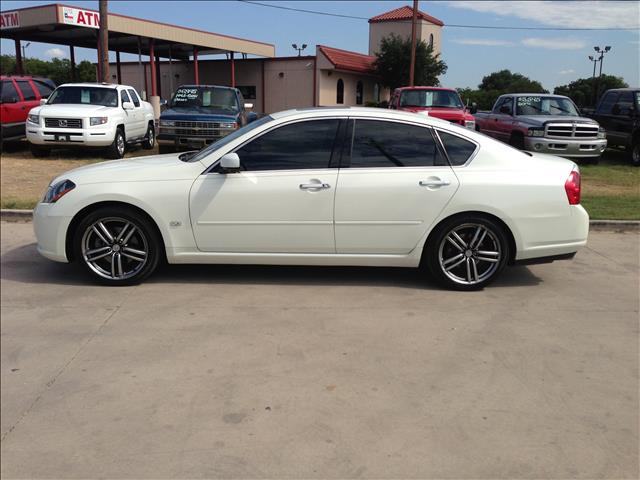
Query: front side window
[[107, 97], [378, 144], [124, 97], [458, 149], [359, 93], [9, 92], [134, 97], [27, 91], [302, 145], [625, 103], [209, 98], [340, 92], [607, 103]]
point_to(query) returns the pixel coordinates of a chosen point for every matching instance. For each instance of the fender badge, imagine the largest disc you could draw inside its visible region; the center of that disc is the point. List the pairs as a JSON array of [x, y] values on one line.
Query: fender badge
[[175, 223]]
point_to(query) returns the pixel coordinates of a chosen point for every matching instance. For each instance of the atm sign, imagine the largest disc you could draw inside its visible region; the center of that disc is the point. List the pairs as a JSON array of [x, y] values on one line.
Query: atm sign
[[9, 20], [81, 18]]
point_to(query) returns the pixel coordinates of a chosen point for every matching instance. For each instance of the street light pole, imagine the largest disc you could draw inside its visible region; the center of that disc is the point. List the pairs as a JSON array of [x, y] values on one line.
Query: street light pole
[[299, 49], [412, 67], [601, 51], [24, 56], [103, 40]]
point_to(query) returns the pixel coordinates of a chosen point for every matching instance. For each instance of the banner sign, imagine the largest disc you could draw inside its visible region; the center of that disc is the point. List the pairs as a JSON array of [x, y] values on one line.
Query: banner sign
[[9, 20], [80, 17]]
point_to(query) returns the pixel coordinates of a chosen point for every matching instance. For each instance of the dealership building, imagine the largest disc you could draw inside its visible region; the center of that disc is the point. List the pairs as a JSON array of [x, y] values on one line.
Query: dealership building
[[330, 77]]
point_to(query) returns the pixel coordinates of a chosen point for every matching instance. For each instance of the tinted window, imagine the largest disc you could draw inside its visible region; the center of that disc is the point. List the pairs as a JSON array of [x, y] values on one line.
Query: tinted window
[[9, 92], [607, 103], [134, 96], [44, 88], [124, 97], [387, 144], [625, 103], [27, 91], [458, 149], [107, 97], [295, 146]]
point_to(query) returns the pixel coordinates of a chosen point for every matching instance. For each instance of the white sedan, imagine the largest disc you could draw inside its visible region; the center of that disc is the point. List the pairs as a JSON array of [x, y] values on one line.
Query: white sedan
[[343, 186]]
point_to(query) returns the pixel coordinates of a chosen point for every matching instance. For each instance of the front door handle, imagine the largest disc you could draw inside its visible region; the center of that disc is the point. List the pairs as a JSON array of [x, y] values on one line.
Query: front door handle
[[313, 186], [434, 183]]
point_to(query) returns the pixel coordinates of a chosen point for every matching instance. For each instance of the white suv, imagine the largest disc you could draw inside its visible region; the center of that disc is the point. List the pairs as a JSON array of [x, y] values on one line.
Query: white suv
[[91, 115]]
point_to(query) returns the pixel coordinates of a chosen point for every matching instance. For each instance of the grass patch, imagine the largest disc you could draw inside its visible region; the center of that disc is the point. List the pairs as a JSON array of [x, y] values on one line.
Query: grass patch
[[18, 203], [608, 207]]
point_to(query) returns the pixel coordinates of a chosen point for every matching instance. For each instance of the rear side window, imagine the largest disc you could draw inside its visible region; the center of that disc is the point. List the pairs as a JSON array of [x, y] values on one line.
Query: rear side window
[[302, 145], [44, 89], [124, 97], [9, 92], [388, 144], [27, 91], [134, 97], [458, 149]]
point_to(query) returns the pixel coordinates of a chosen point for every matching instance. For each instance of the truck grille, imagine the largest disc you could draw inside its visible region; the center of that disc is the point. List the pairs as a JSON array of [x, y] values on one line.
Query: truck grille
[[572, 130], [202, 133], [63, 122], [197, 125]]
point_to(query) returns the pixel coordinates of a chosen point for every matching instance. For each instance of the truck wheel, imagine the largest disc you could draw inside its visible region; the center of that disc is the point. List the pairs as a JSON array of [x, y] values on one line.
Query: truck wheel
[[517, 141], [150, 138], [634, 152], [39, 152], [118, 147]]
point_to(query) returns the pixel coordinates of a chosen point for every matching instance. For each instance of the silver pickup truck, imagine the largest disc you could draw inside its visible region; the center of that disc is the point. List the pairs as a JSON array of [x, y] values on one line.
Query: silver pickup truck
[[543, 123]]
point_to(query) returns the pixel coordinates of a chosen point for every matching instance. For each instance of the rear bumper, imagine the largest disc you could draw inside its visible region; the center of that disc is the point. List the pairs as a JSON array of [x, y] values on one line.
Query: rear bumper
[[569, 147]]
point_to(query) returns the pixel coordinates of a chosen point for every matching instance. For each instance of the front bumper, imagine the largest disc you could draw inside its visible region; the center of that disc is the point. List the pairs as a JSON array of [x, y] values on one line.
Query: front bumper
[[569, 147], [51, 232], [98, 136]]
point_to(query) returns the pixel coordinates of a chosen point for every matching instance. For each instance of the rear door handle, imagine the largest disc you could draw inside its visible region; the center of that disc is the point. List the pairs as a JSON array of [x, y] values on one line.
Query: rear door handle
[[313, 186], [434, 183]]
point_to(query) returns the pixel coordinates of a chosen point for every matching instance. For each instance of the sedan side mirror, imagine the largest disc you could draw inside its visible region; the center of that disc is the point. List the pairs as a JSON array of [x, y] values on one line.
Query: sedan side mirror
[[230, 163], [127, 105], [248, 106]]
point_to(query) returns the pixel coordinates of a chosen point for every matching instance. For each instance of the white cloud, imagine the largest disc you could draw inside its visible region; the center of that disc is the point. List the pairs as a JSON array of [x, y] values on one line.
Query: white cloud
[[486, 43], [555, 43], [566, 72], [579, 14], [54, 53]]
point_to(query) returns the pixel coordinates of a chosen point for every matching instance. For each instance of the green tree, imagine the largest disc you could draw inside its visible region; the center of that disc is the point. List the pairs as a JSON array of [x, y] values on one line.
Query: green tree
[[585, 91], [393, 62], [58, 70], [499, 83]]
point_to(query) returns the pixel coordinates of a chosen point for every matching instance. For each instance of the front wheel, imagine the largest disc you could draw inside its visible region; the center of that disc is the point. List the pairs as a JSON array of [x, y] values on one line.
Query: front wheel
[[117, 246], [150, 138], [467, 252], [634, 152], [117, 148]]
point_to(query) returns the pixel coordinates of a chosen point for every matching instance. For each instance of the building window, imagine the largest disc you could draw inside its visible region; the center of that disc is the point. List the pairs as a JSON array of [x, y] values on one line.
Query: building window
[[340, 92], [359, 92], [376, 93], [431, 40], [247, 91]]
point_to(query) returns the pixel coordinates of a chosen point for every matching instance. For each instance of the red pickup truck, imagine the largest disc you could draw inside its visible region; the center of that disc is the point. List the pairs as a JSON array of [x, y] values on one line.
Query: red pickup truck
[[444, 103]]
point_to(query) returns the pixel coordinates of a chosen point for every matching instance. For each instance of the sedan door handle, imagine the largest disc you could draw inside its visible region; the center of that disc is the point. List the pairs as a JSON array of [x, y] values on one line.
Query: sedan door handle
[[313, 186], [434, 183]]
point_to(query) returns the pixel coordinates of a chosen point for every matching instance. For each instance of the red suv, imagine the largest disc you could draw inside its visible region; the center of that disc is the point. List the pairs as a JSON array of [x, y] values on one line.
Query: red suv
[[18, 95], [444, 103]]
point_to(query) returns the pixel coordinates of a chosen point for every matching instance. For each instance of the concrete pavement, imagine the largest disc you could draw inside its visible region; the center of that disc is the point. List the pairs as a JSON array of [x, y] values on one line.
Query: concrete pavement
[[257, 372]]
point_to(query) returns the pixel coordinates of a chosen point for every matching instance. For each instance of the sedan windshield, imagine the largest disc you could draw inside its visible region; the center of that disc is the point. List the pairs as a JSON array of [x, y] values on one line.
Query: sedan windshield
[[107, 97], [205, 97], [539, 105], [227, 139], [430, 98]]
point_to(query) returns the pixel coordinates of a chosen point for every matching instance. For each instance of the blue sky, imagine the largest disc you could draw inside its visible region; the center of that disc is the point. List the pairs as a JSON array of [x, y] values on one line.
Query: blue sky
[[551, 57]]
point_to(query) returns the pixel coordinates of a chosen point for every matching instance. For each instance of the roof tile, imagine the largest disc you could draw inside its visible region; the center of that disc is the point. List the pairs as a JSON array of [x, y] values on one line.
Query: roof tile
[[404, 13], [346, 60]]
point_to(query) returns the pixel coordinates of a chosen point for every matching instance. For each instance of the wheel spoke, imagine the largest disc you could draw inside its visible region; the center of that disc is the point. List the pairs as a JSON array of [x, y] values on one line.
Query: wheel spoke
[[469, 279], [131, 232], [454, 243], [475, 270], [453, 259], [451, 267], [481, 239], [141, 253], [119, 265], [106, 232], [459, 240], [488, 253], [113, 266], [475, 236], [487, 259], [98, 253], [124, 229], [100, 235]]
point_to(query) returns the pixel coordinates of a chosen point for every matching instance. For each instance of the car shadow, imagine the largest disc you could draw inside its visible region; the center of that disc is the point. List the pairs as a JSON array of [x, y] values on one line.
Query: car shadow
[[24, 264]]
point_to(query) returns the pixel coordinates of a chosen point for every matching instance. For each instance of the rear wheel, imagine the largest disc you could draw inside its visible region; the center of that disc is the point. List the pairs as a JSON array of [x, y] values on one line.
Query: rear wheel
[[150, 138], [634, 152], [117, 246], [467, 252], [39, 152]]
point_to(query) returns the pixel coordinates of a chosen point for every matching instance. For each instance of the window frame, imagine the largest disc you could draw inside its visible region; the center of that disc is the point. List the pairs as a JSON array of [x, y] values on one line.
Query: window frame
[[347, 144], [437, 131], [334, 159], [360, 92], [35, 93], [340, 91], [135, 98], [15, 89]]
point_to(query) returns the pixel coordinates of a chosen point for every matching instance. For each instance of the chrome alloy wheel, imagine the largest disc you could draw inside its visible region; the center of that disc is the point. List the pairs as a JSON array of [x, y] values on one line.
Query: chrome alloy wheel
[[114, 248], [120, 144], [469, 253]]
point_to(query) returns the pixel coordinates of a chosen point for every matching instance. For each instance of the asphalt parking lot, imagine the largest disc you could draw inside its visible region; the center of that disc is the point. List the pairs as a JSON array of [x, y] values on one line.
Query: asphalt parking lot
[[281, 372]]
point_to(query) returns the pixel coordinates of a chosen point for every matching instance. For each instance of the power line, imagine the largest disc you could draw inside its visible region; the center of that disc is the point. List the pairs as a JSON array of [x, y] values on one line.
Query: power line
[[487, 27]]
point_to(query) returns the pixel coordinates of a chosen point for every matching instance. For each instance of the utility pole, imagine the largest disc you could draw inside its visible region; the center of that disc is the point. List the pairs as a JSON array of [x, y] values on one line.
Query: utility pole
[[412, 68], [103, 40]]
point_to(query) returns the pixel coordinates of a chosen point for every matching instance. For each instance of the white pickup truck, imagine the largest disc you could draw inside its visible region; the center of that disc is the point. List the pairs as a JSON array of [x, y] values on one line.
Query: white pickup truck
[[91, 115]]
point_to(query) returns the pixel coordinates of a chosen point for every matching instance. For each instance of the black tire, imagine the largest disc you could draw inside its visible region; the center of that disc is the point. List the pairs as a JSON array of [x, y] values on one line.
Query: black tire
[[634, 152], [150, 138], [517, 141], [162, 149], [118, 147], [39, 152], [127, 253], [452, 264]]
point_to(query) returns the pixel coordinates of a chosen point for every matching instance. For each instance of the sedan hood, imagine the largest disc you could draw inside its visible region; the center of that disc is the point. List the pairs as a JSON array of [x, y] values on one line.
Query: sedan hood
[[141, 169], [67, 110]]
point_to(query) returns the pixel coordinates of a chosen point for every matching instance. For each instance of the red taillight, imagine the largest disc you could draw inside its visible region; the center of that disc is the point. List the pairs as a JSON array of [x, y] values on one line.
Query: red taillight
[[572, 187]]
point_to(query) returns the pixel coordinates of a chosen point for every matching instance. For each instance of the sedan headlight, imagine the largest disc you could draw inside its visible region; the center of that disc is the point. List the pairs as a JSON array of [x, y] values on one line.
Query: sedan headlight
[[470, 124], [602, 133], [34, 119], [56, 191], [536, 132], [167, 123], [98, 120], [233, 125]]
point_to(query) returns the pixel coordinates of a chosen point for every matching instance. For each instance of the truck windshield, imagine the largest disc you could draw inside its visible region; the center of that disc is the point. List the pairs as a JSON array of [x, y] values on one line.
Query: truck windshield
[[107, 97], [430, 98], [539, 105], [205, 97]]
